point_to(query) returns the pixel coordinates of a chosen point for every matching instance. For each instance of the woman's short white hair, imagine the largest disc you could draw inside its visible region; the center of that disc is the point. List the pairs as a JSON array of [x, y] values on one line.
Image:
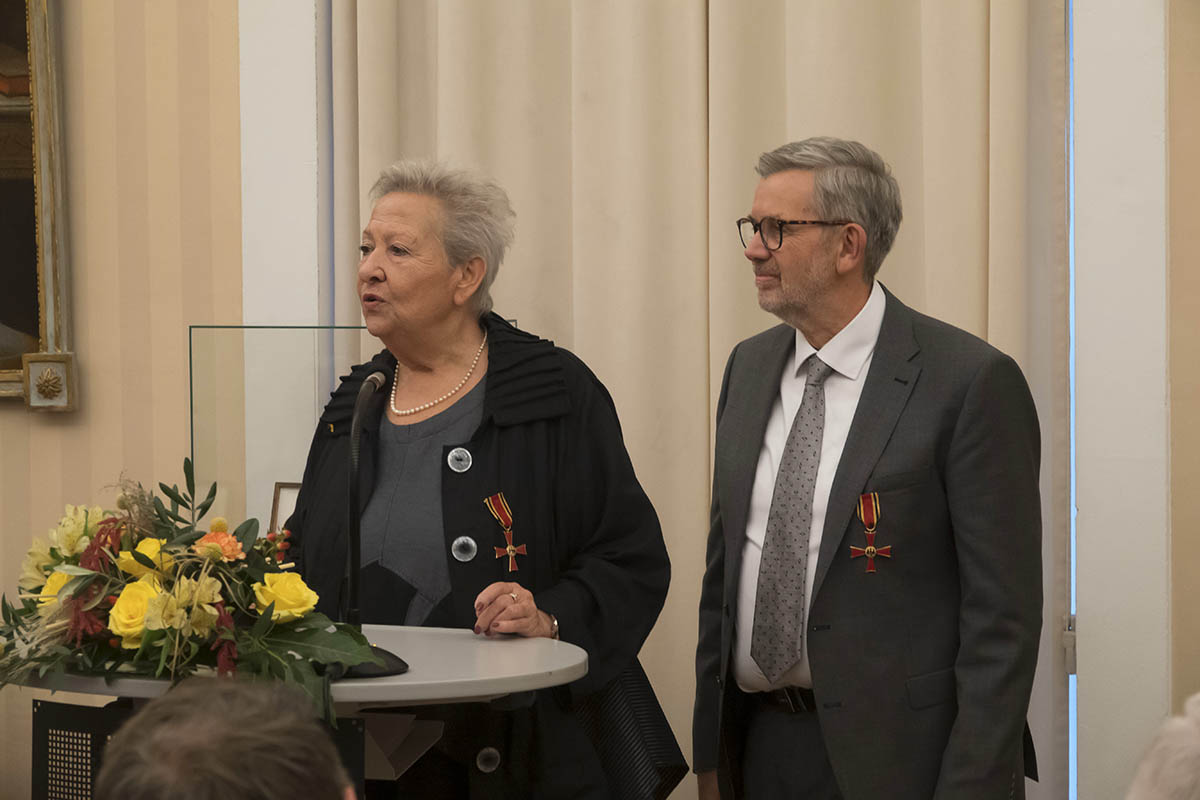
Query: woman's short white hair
[[478, 219], [1170, 769], [850, 182]]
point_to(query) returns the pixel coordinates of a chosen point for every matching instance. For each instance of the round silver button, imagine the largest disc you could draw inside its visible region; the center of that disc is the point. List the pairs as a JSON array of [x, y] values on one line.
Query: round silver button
[[464, 548], [459, 459], [488, 759]]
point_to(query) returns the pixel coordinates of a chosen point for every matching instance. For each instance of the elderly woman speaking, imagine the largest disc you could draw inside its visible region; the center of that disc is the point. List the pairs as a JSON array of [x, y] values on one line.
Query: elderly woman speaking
[[497, 492]]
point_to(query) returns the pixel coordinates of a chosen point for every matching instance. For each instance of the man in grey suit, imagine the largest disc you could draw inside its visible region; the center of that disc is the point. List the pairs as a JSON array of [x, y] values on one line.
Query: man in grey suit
[[872, 599]]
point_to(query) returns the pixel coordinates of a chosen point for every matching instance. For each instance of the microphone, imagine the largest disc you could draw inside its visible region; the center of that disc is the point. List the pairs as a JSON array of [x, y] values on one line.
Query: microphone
[[377, 379], [392, 664]]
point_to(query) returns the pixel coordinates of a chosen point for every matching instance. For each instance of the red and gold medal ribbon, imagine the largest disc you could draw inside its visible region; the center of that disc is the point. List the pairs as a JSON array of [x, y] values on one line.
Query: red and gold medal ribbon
[[868, 510], [500, 510], [503, 514]]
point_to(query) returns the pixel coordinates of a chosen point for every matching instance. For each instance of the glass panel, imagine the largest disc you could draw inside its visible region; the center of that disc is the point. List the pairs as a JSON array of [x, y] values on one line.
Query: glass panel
[[256, 395]]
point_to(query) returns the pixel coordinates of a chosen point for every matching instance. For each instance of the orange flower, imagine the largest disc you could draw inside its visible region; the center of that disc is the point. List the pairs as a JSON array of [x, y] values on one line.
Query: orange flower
[[219, 545]]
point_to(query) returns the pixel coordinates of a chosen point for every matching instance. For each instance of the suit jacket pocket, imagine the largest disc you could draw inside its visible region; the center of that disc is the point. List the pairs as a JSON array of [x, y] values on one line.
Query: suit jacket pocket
[[931, 689], [899, 480]]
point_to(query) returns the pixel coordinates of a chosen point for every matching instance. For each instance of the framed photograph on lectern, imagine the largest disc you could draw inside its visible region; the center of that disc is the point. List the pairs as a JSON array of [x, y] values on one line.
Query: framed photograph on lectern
[[283, 504]]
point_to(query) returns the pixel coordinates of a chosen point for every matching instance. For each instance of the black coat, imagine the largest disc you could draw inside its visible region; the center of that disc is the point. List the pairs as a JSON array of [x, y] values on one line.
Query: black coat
[[550, 441]]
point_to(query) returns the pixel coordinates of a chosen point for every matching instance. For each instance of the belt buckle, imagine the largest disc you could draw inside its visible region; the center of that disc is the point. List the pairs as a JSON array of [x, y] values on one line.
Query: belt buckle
[[795, 699]]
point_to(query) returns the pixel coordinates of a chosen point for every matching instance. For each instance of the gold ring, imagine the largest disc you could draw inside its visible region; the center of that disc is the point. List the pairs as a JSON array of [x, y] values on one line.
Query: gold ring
[[513, 595]]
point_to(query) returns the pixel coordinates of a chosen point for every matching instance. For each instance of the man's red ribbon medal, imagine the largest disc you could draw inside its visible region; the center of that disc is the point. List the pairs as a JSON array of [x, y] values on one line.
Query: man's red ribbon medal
[[503, 514], [868, 512]]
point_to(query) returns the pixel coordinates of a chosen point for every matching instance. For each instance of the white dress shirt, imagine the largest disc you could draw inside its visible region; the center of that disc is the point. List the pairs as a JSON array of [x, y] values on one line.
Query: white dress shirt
[[849, 352]]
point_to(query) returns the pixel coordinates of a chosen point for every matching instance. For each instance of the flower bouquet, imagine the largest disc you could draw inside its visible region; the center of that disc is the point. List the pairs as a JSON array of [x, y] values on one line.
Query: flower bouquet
[[147, 591]]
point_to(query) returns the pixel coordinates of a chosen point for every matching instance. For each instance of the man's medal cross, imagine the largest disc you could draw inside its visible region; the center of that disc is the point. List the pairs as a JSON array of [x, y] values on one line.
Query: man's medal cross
[[868, 512]]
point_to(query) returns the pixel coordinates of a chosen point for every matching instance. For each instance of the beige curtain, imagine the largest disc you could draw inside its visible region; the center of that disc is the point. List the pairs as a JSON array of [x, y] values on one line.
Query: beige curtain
[[626, 134]]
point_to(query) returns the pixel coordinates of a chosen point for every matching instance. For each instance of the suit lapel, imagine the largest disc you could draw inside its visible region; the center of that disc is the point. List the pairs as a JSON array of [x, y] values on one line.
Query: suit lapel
[[754, 385], [893, 373]]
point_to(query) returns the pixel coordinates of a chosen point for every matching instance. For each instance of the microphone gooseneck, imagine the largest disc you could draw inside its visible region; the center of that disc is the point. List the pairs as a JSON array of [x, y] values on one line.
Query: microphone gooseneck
[[350, 598], [391, 663]]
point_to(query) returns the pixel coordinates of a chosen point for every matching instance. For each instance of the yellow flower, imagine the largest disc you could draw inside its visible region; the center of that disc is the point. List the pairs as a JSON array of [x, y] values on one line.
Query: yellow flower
[[127, 618], [219, 525], [75, 529], [290, 594], [198, 591], [219, 545], [163, 611], [49, 593], [152, 549], [33, 568], [203, 619]]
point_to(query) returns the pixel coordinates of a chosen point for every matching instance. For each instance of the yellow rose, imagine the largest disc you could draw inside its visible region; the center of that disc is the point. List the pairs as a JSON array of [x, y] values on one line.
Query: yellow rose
[[127, 618], [54, 584], [290, 594], [152, 549]]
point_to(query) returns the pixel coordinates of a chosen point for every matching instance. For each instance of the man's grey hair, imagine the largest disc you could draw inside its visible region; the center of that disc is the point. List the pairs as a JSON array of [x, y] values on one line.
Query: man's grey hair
[[1170, 769], [215, 739], [477, 220], [850, 182]]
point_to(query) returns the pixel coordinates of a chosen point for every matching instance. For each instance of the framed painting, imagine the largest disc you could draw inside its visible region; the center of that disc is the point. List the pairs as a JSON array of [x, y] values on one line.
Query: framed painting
[[36, 361]]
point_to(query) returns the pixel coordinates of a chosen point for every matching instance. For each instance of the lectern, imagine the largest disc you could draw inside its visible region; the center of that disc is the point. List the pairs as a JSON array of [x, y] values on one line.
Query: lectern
[[445, 666]]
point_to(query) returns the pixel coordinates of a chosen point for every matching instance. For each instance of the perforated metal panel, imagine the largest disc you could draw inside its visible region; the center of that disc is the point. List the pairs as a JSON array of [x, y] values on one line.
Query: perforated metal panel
[[68, 764], [68, 743]]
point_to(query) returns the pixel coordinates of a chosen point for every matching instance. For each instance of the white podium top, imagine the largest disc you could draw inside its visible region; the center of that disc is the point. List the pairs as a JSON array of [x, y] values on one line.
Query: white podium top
[[445, 665]]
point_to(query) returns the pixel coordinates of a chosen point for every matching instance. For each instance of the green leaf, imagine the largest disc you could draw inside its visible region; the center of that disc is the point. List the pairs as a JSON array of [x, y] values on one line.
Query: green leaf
[[202, 509], [143, 559], [185, 537], [98, 599], [167, 516], [247, 534], [264, 622], [173, 493], [71, 569], [164, 529], [149, 640], [189, 477], [301, 672], [318, 621], [72, 587], [343, 645], [163, 652]]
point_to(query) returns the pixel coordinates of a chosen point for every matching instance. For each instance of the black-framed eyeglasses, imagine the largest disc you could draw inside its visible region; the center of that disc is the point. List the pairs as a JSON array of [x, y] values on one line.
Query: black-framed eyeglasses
[[770, 230]]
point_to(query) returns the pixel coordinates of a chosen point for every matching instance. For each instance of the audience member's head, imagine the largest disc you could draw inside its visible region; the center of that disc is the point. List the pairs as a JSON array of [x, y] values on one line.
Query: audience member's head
[[1170, 769], [210, 739]]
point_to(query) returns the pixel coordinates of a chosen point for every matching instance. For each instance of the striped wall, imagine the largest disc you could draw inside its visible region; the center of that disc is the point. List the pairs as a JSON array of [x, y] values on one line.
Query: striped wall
[[150, 92]]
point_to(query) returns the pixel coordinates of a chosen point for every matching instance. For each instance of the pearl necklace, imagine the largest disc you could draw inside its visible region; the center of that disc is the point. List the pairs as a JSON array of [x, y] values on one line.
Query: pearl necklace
[[408, 411]]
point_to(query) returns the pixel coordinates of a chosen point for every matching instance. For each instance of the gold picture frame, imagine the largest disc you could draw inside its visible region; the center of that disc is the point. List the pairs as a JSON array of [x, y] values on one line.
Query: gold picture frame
[[285, 502], [35, 98]]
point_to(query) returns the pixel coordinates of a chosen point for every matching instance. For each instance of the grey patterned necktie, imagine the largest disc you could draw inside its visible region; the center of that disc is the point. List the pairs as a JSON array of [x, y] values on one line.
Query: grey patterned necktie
[[779, 603]]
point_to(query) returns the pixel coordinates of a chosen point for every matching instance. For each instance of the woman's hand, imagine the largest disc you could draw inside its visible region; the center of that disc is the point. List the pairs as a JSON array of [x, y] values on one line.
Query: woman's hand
[[509, 608]]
